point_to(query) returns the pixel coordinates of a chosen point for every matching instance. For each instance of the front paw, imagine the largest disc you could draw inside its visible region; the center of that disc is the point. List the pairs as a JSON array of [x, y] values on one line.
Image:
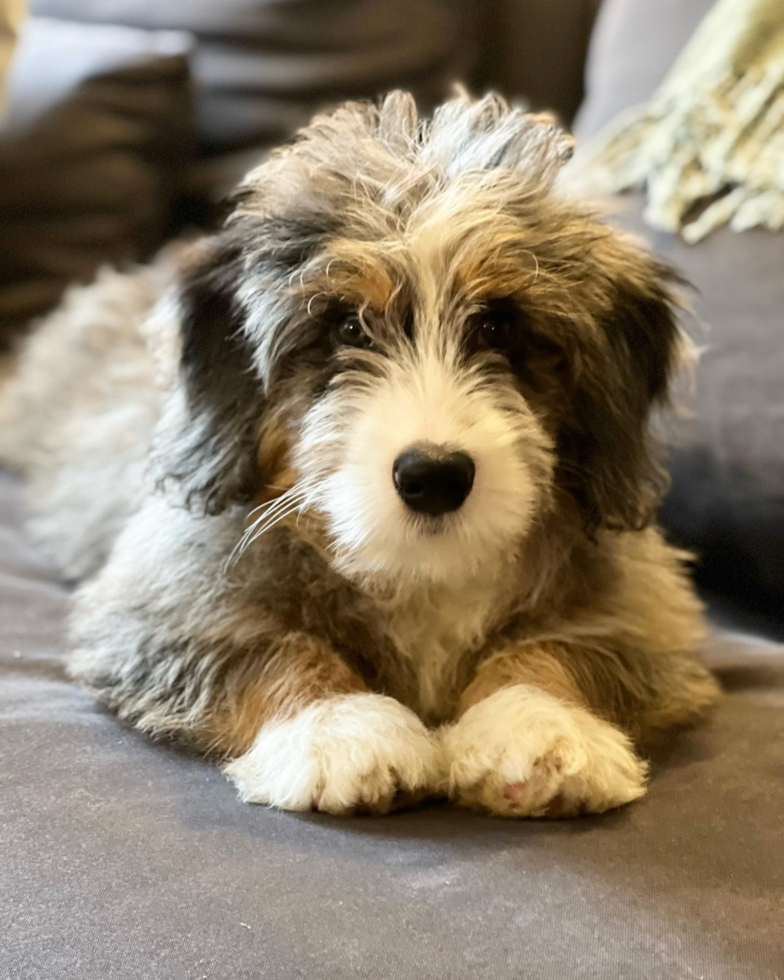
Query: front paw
[[523, 753], [354, 752]]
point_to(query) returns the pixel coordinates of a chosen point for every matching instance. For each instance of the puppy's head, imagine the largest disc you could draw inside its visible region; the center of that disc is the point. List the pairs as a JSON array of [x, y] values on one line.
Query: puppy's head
[[408, 334]]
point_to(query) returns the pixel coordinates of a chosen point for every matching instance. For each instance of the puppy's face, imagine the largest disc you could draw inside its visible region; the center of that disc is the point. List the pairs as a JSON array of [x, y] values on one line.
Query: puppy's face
[[404, 335], [423, 453]]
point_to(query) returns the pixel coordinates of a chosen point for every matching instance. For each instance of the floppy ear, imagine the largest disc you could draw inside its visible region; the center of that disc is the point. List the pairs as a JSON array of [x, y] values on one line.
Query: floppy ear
[[611, 463], [209, 446]]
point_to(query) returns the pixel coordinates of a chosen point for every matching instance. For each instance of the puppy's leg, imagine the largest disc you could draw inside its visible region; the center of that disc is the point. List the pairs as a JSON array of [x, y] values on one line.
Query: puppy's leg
[[526, 744], [313, 737]]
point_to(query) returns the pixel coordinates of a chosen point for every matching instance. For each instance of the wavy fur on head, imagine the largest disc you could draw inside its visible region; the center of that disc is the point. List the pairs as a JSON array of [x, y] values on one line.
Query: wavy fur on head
[[215, 441]]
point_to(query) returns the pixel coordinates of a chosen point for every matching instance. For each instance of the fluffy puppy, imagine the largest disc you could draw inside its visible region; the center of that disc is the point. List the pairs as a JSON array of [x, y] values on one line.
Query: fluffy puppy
[[362, 487]]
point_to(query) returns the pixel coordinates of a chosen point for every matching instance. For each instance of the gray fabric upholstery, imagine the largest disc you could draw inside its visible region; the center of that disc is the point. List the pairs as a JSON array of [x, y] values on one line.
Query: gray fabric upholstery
[[262, 67], [727, 499], [91, 154], [125, 860]]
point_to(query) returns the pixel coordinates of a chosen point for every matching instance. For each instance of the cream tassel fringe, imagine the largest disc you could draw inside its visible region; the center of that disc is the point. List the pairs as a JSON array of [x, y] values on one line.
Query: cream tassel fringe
[[709, 146]]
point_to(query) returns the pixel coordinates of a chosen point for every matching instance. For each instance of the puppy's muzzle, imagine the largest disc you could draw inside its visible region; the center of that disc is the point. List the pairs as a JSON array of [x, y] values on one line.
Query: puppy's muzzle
[[433, 480]]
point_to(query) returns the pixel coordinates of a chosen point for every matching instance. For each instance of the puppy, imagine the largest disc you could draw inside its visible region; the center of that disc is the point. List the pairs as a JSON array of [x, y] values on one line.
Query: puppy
[[362, 487]]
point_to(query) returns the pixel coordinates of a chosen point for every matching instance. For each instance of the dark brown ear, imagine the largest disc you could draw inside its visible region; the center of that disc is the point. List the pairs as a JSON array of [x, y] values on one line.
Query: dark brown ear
[[611, 464], [208, 444], [208, 441]]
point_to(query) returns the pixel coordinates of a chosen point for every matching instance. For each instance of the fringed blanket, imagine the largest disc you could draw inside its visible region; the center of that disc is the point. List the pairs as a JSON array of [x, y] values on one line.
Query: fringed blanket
[[709, 146]]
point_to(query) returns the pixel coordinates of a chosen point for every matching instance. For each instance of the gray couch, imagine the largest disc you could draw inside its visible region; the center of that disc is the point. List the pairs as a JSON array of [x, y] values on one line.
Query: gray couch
[[125, 860]]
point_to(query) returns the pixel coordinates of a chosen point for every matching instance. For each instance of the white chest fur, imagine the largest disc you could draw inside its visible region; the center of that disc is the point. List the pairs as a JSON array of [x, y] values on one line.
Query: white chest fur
[[433, 630]]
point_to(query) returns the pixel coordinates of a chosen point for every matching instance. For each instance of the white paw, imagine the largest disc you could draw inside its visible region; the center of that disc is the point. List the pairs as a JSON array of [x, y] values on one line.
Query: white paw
[[523, 753], [357, 751]]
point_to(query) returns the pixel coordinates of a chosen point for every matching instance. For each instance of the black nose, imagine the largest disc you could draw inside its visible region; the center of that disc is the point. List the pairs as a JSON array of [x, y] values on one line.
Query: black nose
[[433, 481]]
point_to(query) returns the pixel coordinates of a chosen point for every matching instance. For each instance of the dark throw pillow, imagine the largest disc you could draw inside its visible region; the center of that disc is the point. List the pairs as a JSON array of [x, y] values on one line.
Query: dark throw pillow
[[91, 153]]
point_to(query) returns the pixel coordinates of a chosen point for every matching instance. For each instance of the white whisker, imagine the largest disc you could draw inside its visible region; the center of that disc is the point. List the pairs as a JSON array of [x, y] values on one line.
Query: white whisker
[[256, 528], [268, 503], [280, 516], [272, 512], [271, 506]]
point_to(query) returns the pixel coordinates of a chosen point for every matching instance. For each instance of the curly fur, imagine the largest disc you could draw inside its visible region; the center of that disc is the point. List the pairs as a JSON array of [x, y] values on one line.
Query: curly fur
[[216, 465]]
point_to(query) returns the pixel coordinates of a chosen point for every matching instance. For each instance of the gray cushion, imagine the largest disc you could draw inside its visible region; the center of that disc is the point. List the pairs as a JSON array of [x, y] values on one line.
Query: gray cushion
[[263, 67], [727, 499], [90, 156], [121, 859]]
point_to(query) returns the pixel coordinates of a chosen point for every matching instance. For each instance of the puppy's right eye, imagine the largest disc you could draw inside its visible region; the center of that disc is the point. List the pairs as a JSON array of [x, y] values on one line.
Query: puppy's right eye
[[351, 333]]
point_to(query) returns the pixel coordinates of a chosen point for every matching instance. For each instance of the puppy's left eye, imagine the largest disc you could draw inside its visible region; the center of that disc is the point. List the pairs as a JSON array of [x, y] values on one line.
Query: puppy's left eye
[[494, 329], [351, 333]]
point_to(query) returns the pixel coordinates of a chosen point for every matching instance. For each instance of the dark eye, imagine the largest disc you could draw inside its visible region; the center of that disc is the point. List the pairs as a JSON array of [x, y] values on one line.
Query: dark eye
[[494, 329], [351, 333]]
